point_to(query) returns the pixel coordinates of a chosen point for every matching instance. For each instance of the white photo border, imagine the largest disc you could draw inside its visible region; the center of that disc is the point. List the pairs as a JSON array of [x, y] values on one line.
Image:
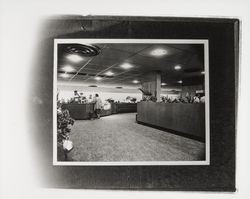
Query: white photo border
[[134, 163]]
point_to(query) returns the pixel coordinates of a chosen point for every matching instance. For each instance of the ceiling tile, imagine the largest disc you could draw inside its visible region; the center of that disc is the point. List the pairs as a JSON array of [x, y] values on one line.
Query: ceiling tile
[[132, 48]]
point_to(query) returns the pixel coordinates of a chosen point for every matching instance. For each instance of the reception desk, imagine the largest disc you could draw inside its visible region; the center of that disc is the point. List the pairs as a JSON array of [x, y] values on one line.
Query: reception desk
[[125, 107], [83, 111], [185, 119]]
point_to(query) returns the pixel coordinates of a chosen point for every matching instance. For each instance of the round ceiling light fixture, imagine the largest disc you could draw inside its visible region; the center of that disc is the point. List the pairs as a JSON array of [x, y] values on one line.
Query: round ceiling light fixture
[[64, 75], [158, 52], [68, 68], [177, 67], [109, 73], [86, 50], [98, 78], [135, 81], [74, 58], [126, 66]]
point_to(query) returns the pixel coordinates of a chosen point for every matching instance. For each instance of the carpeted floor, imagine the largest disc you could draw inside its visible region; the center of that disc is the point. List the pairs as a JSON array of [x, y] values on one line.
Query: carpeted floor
[[120, 138]]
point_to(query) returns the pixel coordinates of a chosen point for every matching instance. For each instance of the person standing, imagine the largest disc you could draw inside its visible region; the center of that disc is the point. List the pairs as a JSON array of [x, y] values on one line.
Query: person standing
[[97, 105], [77, 97], [90, 99]]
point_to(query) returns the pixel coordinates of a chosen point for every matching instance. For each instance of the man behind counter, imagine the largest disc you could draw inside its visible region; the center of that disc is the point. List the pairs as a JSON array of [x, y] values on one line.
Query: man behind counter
[[97, 105], [77, 97]]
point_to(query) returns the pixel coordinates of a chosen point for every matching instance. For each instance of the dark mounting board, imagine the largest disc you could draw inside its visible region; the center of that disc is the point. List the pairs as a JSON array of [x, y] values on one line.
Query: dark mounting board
[[223, 36]]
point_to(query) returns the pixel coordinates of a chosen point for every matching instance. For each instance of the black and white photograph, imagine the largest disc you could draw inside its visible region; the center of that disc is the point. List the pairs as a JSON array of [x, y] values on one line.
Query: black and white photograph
[[131, 102], [124, 99]]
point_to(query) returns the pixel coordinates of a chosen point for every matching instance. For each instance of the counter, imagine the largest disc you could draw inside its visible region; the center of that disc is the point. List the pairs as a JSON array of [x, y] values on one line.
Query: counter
[[83, 111], [185, 119], [125, 107]]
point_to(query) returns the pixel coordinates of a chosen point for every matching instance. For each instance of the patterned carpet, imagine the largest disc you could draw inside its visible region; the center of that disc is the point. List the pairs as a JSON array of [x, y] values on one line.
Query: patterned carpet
[[120, 138]]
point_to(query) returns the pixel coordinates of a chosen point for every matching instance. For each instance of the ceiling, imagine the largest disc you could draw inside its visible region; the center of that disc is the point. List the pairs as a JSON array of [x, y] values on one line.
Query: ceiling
[[142, 56]]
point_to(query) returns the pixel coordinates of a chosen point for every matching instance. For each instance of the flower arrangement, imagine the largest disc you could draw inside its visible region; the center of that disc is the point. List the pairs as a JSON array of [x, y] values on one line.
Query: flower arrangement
[[110, 100], [131, 99], [64, 124], [149, 98]]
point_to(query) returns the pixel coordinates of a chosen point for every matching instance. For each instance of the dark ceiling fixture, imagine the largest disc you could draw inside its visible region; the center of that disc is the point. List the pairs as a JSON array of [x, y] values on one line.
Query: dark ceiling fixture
[[119, 87], [73, 73], [92, 75], [109, 77], [83, 49], [92, 86]]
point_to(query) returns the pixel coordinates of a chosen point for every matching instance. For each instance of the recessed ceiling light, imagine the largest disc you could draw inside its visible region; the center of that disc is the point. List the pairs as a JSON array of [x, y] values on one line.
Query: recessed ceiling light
[[64, 75], [126, 65], [135, 81], [98, 78], [177, 67], [163, 84], [74, 58], [109, 73], [202, 72], [180, 82], [68, 68], [158, 52]]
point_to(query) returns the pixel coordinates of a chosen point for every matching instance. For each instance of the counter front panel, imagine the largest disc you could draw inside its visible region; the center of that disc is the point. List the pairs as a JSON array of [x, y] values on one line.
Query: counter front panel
[[126, 107], [187, 119], [83, 111], [79, 111]]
